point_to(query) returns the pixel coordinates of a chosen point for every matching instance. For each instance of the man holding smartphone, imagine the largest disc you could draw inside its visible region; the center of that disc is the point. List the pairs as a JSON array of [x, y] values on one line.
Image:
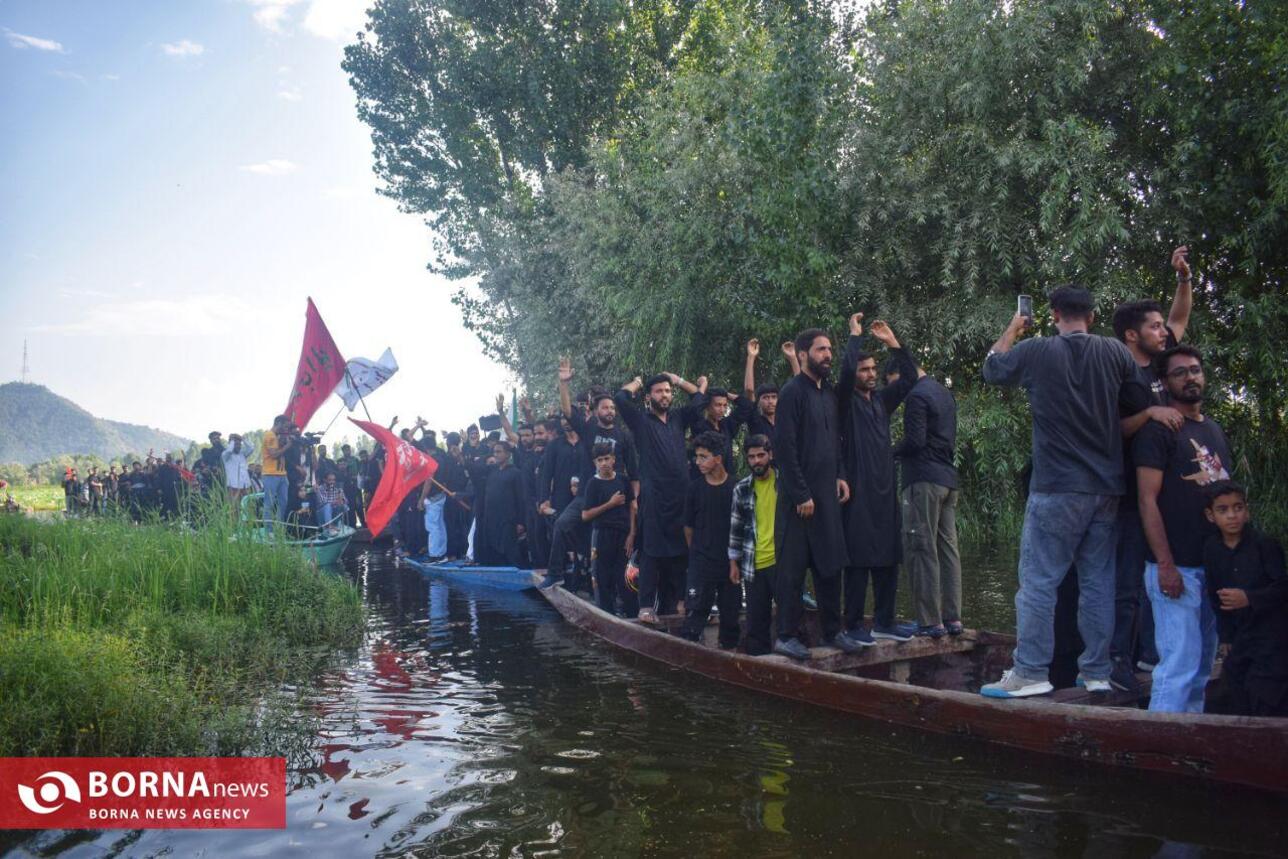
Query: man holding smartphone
[[1073, 382]]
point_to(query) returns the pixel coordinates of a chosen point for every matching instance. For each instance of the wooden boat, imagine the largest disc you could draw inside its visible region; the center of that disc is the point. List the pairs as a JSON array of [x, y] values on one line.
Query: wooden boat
[[500, 578], [933, 685], [323, 547]]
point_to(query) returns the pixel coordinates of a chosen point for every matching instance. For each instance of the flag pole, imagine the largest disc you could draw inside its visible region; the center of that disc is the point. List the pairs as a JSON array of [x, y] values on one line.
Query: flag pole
[[359, 393]]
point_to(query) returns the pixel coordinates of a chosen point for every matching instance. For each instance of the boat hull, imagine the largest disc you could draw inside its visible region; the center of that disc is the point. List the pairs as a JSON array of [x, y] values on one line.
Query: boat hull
[[497, 578], [1228, 749]]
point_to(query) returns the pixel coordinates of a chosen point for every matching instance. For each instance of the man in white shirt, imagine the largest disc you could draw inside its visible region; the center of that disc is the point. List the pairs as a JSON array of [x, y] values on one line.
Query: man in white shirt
[[236, 471]]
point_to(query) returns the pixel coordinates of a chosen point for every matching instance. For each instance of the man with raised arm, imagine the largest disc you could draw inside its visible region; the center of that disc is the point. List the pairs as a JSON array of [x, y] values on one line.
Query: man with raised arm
[[872, 515], [663, 474], [763, 397], [808, 529], [600, 428], [1142, 329], [1073, 382], [709, 411]]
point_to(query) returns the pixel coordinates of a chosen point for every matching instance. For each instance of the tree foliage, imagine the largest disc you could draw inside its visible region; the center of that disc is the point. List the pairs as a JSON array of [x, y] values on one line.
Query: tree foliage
[[647, 185]]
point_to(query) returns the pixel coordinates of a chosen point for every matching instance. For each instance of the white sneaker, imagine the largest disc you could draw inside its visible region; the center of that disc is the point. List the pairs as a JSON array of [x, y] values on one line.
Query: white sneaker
[[1013, 686], [1146, 666], [1094, 685]]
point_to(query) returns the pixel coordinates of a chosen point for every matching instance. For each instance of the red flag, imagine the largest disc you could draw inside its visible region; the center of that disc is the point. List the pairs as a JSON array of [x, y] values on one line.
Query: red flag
[[405, 469], [321, 369]]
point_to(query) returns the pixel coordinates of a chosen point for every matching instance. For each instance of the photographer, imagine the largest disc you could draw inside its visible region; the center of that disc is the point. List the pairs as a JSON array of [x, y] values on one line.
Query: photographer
[[279, 447]]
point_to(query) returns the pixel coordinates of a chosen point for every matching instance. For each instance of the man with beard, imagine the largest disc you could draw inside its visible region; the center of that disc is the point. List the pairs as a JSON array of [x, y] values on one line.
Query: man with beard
[[506, 502], [764, 396], [1073, 383], [872, 527], [600, 428], [663, 475], [1141, 328], [811, 489], [1173, 470]]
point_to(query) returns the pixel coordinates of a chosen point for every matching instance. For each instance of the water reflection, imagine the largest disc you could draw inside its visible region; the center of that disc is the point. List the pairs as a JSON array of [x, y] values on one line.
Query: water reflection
[[474, 723]]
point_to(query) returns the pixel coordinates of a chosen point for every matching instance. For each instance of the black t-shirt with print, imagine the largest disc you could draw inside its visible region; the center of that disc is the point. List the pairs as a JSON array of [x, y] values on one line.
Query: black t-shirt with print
[[1190, 459], [706, 511]]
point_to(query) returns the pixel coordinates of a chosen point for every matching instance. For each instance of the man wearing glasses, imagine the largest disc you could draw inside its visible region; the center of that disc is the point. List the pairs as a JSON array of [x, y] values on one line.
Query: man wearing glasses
[[1173, 469]]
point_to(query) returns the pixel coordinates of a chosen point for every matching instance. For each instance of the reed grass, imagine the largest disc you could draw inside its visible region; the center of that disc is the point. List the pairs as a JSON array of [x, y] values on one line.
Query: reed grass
[[124, 639]]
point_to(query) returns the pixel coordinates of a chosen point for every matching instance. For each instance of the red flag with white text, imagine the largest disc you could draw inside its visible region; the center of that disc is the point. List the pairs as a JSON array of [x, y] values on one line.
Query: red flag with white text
[[406, 468], [321, 369]]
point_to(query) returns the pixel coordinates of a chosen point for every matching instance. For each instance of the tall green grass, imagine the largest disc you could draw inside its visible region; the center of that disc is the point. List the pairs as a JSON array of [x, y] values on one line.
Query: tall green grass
[[122, 639]]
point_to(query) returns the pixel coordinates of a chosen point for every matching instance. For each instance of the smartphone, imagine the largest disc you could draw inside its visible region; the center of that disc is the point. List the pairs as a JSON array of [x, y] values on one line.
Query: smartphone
[[1024, 307], [488, 423]]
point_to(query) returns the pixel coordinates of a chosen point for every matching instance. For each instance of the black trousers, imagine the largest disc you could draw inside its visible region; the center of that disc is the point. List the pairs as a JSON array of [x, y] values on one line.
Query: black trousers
[[760, 610], [709, 587], [789, 582], [885, 583], [352, 499], [458, 521], [569, 535], [662, 581], [608, 551]]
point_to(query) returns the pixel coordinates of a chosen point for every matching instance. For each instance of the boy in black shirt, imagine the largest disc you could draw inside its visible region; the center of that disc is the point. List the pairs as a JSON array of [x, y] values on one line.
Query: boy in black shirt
[[610, 512], [707, 509], [1247, 585]]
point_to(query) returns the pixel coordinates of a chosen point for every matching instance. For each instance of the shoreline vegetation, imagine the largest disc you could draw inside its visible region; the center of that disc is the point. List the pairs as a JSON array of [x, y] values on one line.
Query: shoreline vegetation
[[157, 639]]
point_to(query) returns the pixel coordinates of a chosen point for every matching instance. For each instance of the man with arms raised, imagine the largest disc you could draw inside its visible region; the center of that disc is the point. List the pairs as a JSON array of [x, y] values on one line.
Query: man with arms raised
[[663, 475], [1073, 382]]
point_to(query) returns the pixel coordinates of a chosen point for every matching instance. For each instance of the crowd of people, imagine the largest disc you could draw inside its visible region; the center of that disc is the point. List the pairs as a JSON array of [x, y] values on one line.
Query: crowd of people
[[1131, 513]]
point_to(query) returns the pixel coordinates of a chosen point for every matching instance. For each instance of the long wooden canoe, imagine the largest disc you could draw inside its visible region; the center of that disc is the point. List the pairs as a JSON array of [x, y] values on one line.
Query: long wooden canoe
[[933, 685]]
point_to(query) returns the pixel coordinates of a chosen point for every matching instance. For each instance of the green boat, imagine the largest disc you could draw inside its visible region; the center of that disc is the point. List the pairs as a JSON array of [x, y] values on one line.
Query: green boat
[[324, 548]]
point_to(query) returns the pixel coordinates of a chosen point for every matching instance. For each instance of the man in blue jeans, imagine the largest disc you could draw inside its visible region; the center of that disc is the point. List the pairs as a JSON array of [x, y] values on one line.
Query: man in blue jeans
[[1173, 469], [1073, 383]]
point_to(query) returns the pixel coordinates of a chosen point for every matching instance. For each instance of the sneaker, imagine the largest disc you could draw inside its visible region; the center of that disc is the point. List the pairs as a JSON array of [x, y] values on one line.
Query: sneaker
[[791, 648], [955, 627], [843, 642], [648, 616], [1093, 685], [809, 602], [1145, 665], [898, 632], [936, 631], [1122, 677], [861, 635], [1013, 686], [550, 581]]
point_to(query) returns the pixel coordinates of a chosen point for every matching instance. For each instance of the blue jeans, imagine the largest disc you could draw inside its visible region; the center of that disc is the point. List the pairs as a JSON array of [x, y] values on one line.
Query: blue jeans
[[1185, 633], [436, 526], [1063, 531], [275, 489], [329, 510]]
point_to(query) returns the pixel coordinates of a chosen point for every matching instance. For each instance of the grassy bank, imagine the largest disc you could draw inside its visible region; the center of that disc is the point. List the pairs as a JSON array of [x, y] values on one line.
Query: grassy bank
[[40, 498], [125, 640]]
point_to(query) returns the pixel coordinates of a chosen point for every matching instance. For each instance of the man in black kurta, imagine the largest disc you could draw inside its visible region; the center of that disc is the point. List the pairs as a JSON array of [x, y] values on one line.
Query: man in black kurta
[[872, 527], [811, 488], [664, 479], [506, 506], [707, 412]]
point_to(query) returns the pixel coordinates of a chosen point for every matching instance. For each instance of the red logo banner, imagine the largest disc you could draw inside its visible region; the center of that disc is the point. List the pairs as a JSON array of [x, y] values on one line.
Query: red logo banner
[[321, 368], [142, 793], [405, 469]]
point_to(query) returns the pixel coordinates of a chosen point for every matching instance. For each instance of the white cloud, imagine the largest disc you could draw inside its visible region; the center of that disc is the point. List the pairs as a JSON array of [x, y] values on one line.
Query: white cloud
[[272, 14], [22, 42], [69, 76], [289, 93], [183, 48], [110, 77], [193, 315], [337, 20], [271, 167], [86, 293]]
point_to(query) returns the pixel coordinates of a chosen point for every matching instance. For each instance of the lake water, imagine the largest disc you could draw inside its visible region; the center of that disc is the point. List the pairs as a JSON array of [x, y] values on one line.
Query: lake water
[[474, 723]]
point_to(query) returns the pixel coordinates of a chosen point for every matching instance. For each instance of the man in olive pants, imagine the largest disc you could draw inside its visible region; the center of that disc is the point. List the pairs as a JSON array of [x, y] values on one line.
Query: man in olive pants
[[929, 501]]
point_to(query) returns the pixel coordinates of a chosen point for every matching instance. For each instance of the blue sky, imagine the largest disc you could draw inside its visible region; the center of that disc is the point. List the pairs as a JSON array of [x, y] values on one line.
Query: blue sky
[[175, 179]]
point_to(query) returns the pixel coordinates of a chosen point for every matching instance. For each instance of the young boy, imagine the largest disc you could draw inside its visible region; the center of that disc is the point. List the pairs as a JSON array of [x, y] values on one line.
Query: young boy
[[707, 509], [612, 518], [1247, 584]]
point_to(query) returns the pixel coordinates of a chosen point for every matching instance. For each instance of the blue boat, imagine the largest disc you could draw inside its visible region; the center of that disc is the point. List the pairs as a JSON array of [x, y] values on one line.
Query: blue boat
[[501, 578]]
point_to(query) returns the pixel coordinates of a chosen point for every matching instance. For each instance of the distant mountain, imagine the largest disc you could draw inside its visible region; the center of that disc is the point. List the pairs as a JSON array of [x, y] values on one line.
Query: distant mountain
[[37, 424]]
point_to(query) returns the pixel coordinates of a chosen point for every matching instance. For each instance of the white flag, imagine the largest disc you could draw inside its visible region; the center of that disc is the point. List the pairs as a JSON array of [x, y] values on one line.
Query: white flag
[[362, 376]]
